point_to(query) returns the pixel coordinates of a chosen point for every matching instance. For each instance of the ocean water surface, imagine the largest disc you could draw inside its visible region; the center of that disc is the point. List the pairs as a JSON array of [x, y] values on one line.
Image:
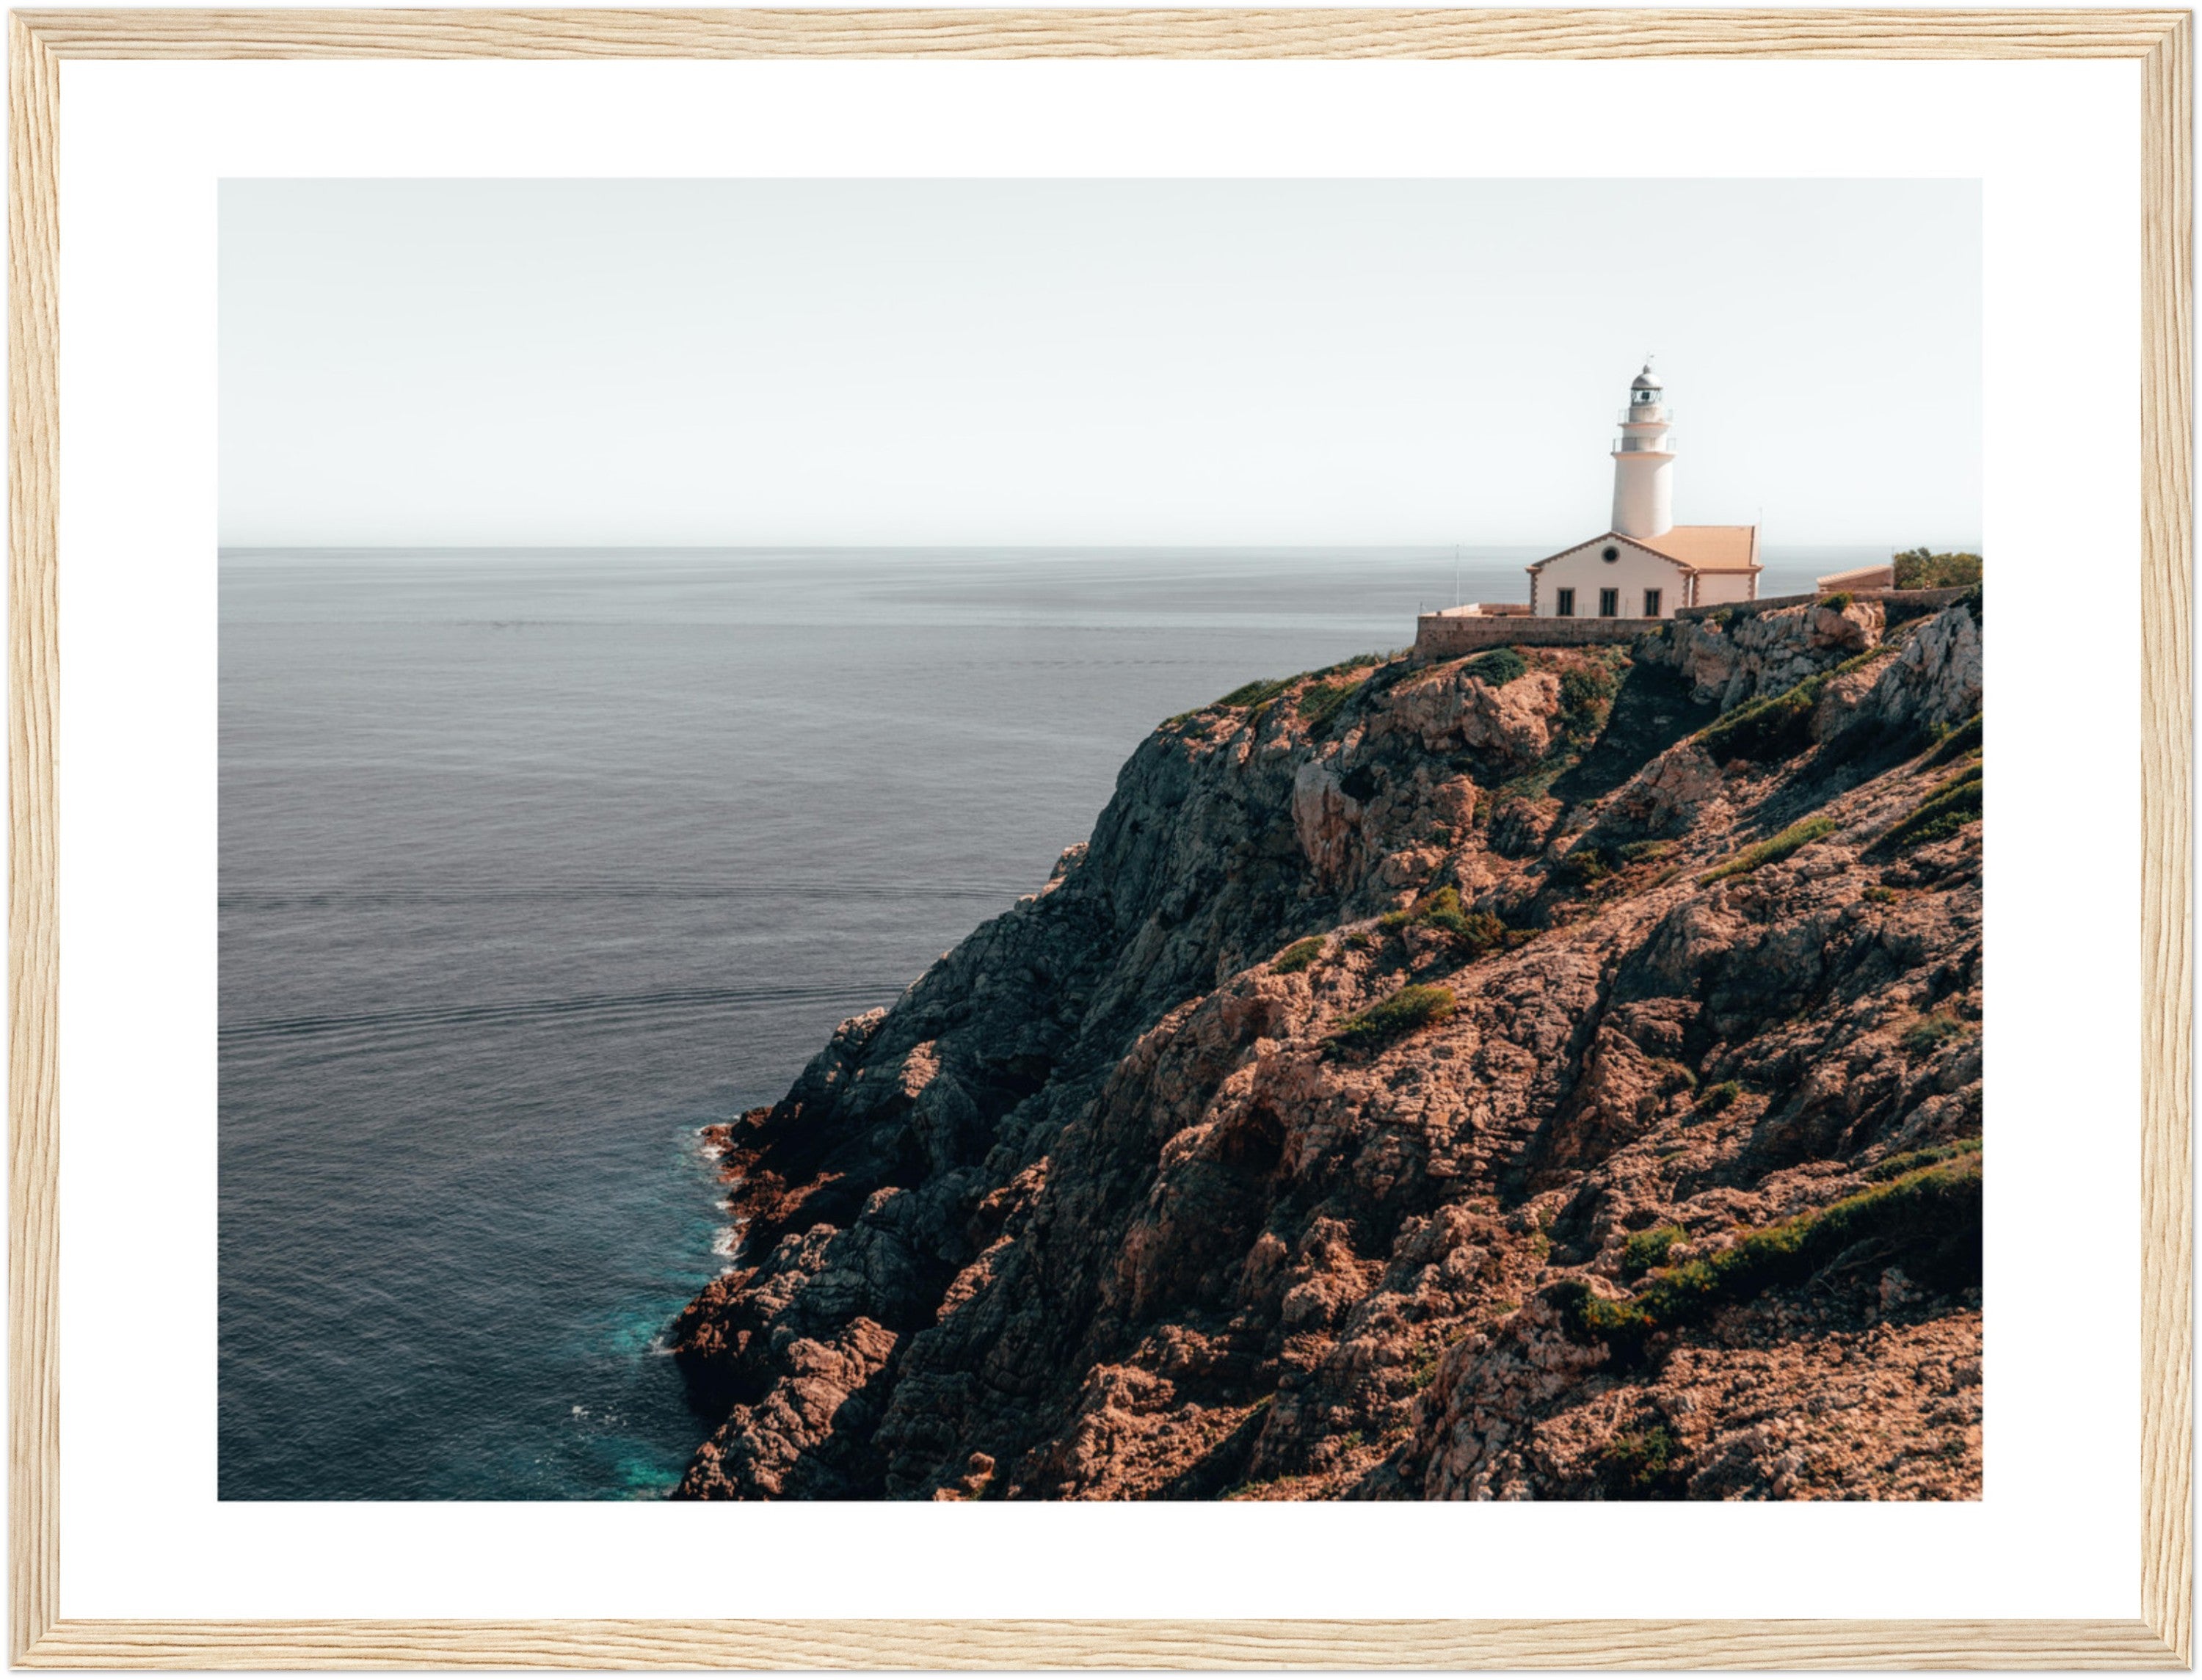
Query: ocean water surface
[[534, 862]]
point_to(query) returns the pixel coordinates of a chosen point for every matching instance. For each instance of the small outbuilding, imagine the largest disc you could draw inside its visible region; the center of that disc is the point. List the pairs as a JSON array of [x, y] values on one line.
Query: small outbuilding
[[1882, 576]]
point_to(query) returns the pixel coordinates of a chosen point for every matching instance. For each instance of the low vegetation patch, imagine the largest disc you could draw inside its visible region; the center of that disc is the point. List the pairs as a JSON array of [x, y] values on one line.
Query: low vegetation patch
[[1895, 1166], [1590, 865], [1963, 739], [1838, 601], [1715, 1097], [1922, 569], [1498, 668], [1641, 1464], [1930, 1220], [1794, 838], [1648, 1249], [1858, 661], [1767, 730], [1359, 661], [1256, 694], [1320, 702], [1583, 867], [1879, 895], [1300, 954], [1408, 1010], [1586, 695], [1951, 804], [1929, 1033], [1473, 931]]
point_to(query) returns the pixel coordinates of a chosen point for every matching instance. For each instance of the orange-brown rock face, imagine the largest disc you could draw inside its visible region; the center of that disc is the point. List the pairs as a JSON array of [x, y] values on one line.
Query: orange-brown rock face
[[1513, 1078]]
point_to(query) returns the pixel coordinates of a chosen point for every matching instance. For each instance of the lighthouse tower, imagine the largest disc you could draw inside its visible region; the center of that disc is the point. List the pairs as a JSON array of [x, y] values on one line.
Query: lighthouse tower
[[1644, 460]]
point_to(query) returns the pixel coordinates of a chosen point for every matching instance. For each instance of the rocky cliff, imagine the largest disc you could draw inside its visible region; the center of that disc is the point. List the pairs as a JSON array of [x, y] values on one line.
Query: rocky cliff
[[1543, 1075]]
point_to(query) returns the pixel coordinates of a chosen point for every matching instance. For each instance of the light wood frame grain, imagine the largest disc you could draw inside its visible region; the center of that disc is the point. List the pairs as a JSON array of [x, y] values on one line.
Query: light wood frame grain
[[2161, 40]]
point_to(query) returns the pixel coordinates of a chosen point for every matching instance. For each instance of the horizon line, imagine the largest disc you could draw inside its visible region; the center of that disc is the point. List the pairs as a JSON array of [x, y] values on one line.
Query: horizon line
[[1964, 546]]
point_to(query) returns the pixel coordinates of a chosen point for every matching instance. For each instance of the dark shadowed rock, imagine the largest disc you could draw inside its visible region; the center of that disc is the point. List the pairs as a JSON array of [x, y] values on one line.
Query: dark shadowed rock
[[1122, 1200]]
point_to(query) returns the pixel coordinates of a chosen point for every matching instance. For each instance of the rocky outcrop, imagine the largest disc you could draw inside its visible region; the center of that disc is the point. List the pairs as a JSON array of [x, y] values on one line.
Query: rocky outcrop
[[1539, 1077], [1738, 655]]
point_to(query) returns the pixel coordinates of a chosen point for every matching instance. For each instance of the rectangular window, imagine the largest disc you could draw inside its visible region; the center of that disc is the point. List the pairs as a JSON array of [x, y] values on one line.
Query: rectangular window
[[1650, 604], [1567, 607], [1609, 604]]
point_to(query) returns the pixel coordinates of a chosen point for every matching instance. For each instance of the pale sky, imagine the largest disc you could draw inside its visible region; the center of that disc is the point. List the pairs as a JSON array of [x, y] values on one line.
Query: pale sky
[[1073, 362]]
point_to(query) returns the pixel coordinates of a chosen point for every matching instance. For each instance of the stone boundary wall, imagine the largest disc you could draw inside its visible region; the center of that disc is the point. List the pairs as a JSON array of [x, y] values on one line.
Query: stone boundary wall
[[1447, 636], [1894, 598]]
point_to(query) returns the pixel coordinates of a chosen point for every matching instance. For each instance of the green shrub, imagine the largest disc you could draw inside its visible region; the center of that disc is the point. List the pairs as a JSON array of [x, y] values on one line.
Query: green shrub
[[1408, 1010], [1498, 668], [1770, 728], [1858, 662], [1961, 741], [1299, 955], [1838, 601], [1425, 1369], [1441, 909], [1255, 693], [1586, 693], [1357, 663], [1930, 1033], [1918, 569], [1482, 931], [1647, 851], [1895, 1166], [1931, 1217], [1474, 931], [1320, 702], [1647, 1249], [1793, 838], [1641, 1464], [1585, 866], [1718, 1097], [1879, 895], [1953, 803]]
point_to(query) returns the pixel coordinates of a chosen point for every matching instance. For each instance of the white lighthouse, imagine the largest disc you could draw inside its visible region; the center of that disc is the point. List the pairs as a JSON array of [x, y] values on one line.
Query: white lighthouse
[[1647, 566], [1644, 462]]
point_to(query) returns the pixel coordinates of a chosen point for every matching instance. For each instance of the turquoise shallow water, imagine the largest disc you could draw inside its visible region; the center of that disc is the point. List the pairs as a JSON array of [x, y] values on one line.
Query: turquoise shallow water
[[532, 864]]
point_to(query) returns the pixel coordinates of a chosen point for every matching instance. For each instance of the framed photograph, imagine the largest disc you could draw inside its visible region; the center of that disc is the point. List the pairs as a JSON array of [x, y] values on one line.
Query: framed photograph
[[1023, 839]]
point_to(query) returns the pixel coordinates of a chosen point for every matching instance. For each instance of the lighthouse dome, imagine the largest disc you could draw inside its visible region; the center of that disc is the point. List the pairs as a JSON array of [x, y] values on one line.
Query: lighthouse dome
[[1646, 381]]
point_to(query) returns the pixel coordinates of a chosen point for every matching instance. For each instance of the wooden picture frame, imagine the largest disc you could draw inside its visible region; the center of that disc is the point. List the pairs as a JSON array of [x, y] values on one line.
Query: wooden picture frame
[[2161, 40]]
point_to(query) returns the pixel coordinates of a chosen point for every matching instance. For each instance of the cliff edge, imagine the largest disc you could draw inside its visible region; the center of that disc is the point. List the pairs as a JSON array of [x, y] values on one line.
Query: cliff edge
[[1546, 1074]]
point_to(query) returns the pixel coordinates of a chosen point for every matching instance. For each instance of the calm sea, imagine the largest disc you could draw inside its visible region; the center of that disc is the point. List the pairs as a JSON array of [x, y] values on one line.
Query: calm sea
[[533, 863]]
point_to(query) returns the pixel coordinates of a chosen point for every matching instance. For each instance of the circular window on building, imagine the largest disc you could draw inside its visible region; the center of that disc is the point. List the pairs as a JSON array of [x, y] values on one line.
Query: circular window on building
[[1610, 554]]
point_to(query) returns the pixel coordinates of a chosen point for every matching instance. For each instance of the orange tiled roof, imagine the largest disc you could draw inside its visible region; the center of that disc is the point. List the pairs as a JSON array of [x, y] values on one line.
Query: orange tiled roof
[[1708, 548]]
